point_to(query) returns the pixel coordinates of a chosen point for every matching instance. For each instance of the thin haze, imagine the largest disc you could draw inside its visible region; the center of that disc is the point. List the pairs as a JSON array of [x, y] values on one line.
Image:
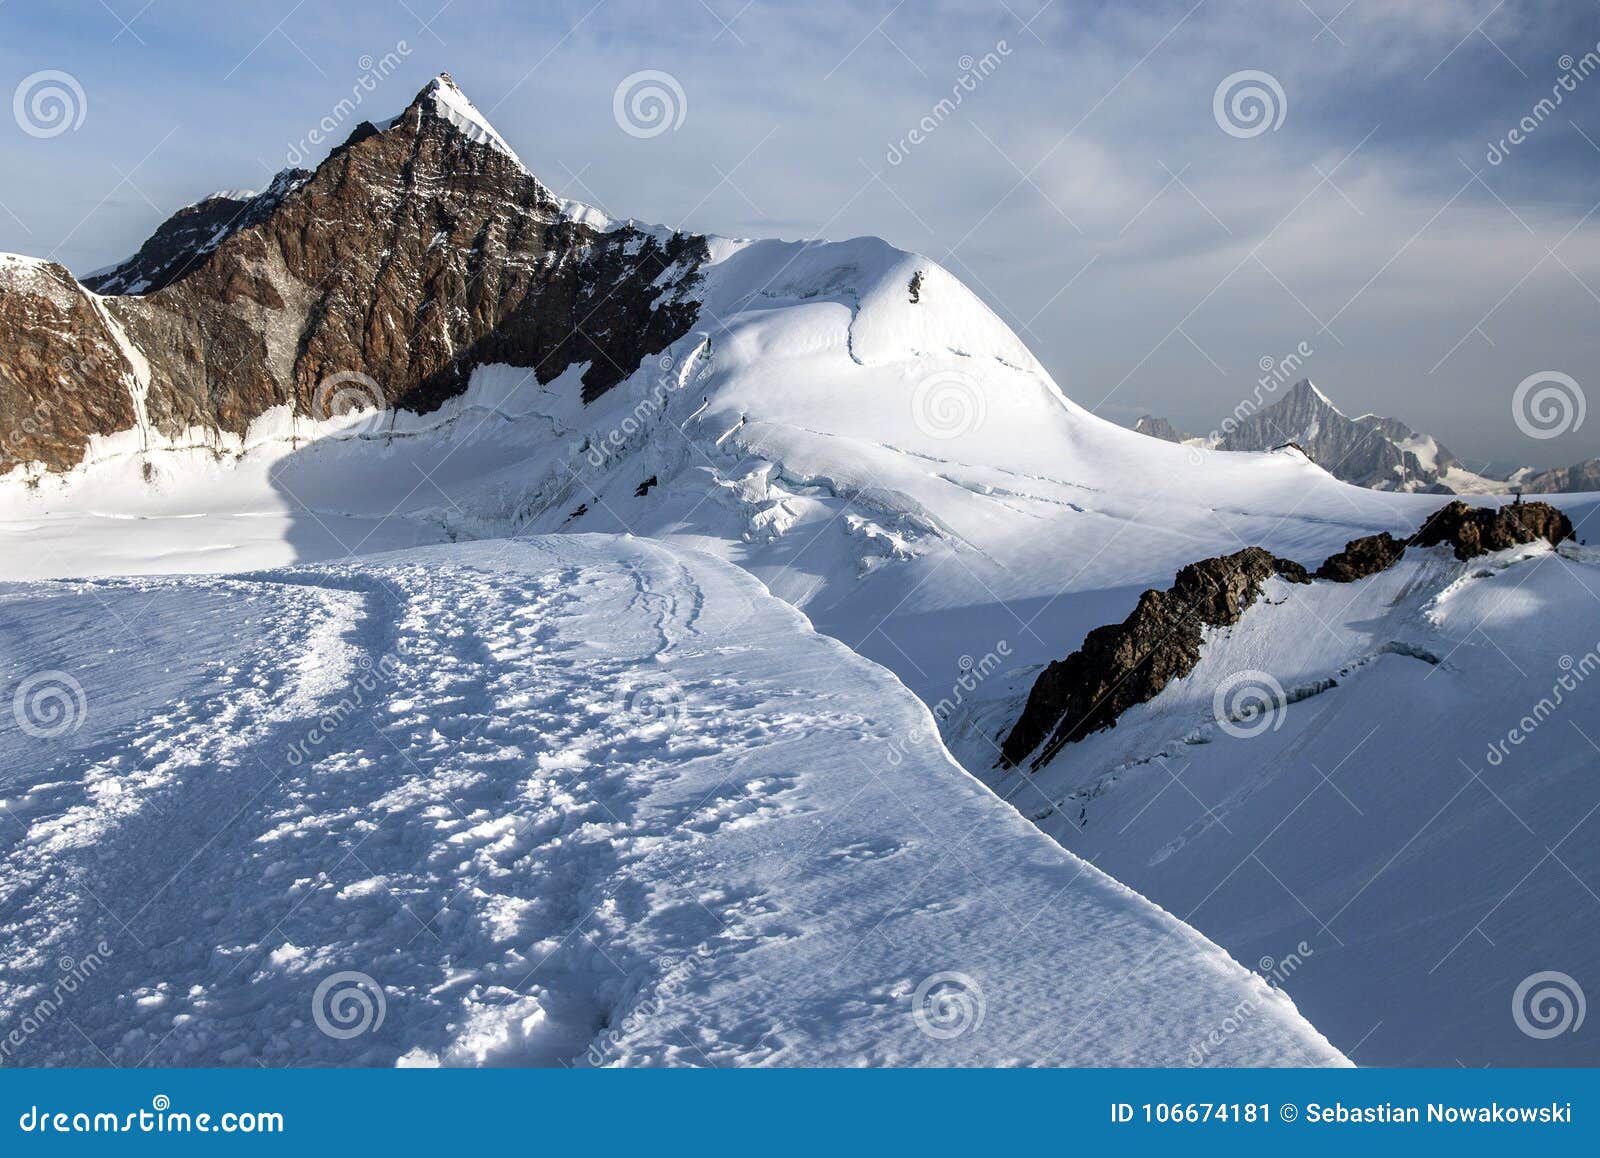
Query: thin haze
[[1082, 183]]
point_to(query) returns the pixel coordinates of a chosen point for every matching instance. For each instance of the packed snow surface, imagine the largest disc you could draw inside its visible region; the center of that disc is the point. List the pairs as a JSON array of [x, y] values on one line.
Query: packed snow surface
[[581, 800], [1408, 835]]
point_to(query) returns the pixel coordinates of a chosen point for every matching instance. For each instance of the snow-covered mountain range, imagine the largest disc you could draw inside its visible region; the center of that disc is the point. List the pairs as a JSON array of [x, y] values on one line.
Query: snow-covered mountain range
[[1370, 451], [817, 499]]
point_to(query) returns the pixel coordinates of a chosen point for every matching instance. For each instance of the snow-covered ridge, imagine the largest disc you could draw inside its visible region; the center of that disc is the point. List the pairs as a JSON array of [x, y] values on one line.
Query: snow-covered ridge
[[450, 103], [26, 273]]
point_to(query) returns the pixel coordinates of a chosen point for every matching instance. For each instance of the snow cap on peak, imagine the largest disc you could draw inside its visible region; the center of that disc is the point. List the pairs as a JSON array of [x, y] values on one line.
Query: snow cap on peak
[[444, 98], [1306, 387]]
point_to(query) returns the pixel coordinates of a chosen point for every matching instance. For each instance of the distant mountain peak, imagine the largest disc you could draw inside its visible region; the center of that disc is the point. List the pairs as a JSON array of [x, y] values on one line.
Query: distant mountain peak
[[1158, 427], [1370, 451], [1306, 390]]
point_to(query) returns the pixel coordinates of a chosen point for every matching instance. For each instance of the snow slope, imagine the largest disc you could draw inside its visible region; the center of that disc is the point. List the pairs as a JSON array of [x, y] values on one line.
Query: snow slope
[[579, 799], [877, 462], [1384, 830]]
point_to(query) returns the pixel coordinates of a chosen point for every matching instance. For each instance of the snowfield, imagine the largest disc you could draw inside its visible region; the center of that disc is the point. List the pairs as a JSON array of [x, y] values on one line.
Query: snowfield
[[610, 798], [571, 800]]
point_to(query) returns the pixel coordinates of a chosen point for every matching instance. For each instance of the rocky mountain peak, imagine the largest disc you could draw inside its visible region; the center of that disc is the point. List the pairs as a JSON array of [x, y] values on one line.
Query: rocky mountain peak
[[1305, 393], [1157, 427], [441, 99], [1372, 451], [417, 251]]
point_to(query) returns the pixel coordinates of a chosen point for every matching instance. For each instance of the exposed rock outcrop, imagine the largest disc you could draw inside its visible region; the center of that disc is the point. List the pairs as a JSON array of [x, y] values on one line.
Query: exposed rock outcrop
[[414, 253], [1120, 665], [1124, 664], [64, 376], [1469, 531], [1474, 531], [1362, 557]]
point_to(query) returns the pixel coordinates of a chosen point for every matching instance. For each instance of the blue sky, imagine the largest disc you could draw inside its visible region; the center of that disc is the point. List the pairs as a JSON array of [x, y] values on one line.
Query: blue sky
[[1083, 185]]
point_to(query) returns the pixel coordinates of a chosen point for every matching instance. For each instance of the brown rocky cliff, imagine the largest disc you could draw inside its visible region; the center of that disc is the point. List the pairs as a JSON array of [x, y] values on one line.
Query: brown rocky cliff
[[63, 375], [410, 256], [1124, 664]]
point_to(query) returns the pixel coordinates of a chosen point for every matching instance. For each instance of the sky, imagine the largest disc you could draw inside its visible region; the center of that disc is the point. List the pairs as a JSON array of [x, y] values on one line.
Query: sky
[[1081, 166]]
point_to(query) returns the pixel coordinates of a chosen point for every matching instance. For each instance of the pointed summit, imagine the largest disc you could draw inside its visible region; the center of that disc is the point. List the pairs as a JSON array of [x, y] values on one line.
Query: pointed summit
[[443, 98], [1305, 391]]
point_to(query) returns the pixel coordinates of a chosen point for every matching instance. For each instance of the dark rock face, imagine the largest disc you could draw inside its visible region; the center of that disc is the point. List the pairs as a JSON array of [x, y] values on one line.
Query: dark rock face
[[1474, 531], [1366, 451], [63, 376], [1159, 428], [1291, 571], [1468, 530], [1362, 557], [412, 255], [185, 238], [1129, 663]]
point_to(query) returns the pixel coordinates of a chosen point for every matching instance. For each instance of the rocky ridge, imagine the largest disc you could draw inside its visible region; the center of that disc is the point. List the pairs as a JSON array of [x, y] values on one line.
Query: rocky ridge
[[1120, 665]]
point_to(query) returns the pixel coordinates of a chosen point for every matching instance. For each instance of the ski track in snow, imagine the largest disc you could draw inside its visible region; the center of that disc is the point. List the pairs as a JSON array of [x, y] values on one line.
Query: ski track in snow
[[571, 800]]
